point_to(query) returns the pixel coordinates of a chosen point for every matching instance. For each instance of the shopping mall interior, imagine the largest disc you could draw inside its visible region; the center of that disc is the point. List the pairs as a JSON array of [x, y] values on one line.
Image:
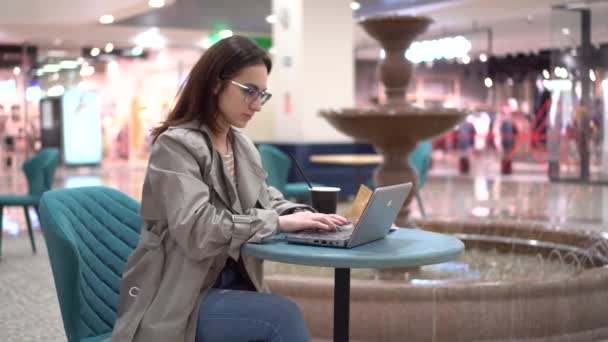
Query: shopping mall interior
[[495, 111]]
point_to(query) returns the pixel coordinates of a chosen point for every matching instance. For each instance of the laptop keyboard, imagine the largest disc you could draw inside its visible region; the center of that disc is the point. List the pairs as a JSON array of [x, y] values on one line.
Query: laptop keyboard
[[343, 235]]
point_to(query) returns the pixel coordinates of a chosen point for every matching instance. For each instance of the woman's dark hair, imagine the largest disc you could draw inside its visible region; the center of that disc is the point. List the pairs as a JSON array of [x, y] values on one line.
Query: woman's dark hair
[[196, 99]]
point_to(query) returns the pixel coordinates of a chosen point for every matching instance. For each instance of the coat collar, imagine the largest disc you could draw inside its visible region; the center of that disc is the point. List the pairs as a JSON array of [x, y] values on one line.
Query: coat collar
[[250, 174]]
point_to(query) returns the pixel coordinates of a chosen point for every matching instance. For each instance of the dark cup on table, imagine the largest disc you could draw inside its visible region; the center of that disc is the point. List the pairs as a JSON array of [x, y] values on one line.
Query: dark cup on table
[[324, 199]]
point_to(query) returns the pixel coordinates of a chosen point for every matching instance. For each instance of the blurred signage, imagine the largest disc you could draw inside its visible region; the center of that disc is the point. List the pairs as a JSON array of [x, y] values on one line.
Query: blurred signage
[[13, 55], [81, 127]]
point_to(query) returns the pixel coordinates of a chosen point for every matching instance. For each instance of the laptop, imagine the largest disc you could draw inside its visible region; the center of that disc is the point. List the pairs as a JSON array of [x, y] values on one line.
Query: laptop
[[375, 221]]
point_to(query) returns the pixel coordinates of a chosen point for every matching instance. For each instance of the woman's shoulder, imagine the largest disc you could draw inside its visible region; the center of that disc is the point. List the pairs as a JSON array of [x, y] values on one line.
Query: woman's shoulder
[[187, 137]]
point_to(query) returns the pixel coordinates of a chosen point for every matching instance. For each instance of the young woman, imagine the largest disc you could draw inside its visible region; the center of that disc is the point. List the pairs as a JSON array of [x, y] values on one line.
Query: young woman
[[204, 196]]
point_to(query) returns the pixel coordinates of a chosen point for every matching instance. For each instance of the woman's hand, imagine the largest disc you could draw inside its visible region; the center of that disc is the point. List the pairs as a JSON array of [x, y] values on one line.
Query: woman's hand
[[309, 220]]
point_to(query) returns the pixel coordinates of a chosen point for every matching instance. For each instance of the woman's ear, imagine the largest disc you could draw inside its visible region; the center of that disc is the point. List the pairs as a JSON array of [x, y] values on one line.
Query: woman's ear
[[217, 88]]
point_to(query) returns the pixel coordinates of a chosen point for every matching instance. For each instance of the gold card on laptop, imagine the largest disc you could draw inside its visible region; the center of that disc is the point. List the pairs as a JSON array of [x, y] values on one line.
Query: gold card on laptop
[[363, 196]]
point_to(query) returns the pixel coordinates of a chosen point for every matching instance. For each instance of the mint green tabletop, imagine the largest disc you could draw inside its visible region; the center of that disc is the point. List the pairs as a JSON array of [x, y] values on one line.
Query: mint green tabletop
[[401, 248]]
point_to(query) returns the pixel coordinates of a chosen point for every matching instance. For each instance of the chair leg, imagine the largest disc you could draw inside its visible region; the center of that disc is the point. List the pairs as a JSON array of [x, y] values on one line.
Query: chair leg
[[29, 228], [1, 210], [420, 205], [38, 217]]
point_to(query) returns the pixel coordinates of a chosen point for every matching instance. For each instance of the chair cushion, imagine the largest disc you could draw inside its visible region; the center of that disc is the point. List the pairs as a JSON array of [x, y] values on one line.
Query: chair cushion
[[10, 200]]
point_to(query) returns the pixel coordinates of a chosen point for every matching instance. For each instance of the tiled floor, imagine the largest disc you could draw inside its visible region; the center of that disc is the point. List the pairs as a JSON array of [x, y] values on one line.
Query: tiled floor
[[28, 305]]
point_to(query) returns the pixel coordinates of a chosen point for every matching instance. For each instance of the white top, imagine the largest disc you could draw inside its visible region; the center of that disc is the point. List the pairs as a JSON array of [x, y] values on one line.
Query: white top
[[228, 160]]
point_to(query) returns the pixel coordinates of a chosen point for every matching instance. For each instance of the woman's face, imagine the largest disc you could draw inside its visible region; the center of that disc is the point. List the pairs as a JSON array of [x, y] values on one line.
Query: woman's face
[[240, 99]]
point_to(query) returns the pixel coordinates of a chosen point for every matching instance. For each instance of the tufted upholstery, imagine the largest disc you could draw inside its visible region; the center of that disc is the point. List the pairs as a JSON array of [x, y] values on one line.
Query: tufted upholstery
[[90, 232]]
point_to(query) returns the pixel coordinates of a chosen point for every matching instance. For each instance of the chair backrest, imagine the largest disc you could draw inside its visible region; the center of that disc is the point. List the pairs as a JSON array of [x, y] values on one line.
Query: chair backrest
[[40, 170], [277, 164], [420, 159], [90, 232]]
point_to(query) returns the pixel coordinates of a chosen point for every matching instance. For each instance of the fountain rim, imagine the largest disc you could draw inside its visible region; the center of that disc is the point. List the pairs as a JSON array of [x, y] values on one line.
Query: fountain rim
[[389, 111], [395, 18]]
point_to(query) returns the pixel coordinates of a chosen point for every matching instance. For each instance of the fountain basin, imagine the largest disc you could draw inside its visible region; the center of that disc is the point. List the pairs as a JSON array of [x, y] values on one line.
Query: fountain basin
[[393, 128], [532, 306]]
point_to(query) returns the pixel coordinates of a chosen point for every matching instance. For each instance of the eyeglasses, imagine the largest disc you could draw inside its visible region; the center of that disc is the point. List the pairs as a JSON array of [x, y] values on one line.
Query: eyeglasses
[[252, 94]]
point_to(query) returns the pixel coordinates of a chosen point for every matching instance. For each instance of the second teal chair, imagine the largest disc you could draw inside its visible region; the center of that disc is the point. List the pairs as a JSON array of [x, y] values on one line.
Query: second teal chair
[[89, 232], [40, 173], [420, 159], [278, 164]]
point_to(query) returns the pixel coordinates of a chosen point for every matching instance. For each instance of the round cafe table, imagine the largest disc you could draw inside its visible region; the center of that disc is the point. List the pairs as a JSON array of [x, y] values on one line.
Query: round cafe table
[[400, 248]]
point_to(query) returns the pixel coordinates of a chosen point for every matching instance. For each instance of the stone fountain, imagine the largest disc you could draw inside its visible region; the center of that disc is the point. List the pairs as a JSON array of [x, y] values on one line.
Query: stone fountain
[[517, 281], [395, 127]]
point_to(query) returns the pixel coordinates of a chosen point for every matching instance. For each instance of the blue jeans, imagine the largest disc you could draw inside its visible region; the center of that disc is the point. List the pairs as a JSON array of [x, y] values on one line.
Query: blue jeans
[[235, 315]]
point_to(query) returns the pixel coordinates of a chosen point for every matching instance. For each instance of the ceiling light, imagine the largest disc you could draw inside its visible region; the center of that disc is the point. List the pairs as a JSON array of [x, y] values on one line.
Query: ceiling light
[[109, 48], [68, 64], [488, 82], [137, 51], [156, 3], [354, 5], [95, 52], [151, 38], [106, 19], [50, 68], [592, 75], [546, 74], [565, 31], [271, 19], [483, 57], [16, 71], [466, 59], [444, 48], [225, 33]]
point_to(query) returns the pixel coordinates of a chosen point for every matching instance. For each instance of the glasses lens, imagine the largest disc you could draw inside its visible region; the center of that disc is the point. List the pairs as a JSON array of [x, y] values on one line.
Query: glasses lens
[[264, 97]]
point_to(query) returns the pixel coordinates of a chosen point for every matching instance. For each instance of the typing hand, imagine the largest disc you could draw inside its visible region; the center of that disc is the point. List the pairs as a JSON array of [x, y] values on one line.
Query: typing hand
[[309, 220]]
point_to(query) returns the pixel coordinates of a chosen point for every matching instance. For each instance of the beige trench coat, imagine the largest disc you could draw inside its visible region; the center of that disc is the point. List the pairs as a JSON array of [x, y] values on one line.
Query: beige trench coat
[[194, 219]]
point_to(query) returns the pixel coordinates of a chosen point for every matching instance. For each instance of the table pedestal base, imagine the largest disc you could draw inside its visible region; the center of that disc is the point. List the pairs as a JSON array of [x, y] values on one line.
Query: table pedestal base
[[341, 304]]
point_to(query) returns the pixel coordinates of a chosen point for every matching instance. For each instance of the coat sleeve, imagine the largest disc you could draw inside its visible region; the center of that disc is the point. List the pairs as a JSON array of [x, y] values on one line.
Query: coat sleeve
[[200, 228], [283, 206]]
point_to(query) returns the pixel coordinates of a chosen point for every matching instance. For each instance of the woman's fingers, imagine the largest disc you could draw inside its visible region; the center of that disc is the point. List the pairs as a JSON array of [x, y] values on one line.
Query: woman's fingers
[[338, 218], [326, 220], [339, 221], [320, 225]]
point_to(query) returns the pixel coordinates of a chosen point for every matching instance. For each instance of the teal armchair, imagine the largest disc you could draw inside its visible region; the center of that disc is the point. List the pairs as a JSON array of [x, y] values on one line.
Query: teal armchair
[[40, 173], [420, 160], [278, 164], [90, 232]]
